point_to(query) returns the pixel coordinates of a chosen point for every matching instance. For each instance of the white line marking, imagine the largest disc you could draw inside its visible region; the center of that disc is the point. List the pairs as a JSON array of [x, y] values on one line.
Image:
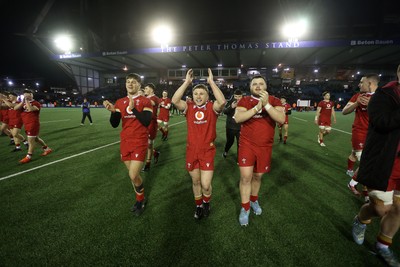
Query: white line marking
[[341, 131], [299, 119], [56, 161], [177, 123], [332, 127], [54, 121], [70, 157]]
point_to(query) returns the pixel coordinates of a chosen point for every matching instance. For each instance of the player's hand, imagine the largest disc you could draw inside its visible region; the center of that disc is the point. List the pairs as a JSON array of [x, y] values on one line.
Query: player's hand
[[264, 97], [108, 105], [234, 104], [131, 103], [189, 76], [363, 100]]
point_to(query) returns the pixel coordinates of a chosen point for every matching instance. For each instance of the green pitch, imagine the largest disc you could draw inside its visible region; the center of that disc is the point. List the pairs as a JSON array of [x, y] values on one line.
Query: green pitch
[[72, 207]]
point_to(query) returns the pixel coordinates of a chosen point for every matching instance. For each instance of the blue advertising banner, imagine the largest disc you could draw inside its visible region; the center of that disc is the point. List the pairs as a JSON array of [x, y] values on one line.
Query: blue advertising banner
[[236, 46]]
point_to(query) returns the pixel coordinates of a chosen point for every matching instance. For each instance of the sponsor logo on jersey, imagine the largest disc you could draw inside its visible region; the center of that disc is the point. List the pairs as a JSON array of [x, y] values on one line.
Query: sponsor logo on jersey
[[199, 115]]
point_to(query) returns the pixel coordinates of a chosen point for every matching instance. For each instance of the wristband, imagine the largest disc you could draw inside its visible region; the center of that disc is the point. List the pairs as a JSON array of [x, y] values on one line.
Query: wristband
[[255, 108], [316, 118], [268, 106]]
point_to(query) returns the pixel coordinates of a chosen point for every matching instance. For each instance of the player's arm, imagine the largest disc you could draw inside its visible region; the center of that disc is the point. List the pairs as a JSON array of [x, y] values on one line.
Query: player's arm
[[317, 115], [18, 105], [242, 114], [167, 106], [289, 111], [276, 113], [219, 96], [115, 117], [8, 103], [334, 114], [177, 97], [29, 106], [144, 116], [349, 108]]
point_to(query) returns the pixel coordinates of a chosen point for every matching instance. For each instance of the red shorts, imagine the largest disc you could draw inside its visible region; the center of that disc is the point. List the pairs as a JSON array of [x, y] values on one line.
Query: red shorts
[[4, 120], [259, 157], [132, 152], [358, 140], [15, 124], [32, 129], [153, 127], [324, 123], [202, 159], [163, 117]]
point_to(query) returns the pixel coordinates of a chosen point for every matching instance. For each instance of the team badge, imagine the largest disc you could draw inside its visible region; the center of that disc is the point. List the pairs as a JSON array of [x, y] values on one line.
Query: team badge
[[199, 115]]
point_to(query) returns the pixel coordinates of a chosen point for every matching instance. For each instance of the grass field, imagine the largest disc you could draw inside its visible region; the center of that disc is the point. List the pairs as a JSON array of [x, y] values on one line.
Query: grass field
[[72, 208]]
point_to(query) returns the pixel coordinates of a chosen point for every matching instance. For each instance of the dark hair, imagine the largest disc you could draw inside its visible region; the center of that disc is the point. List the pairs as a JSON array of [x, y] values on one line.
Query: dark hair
[[284, 97], [27, 91], [151, 85], [325, 92], [258, 77], [238, 92], [134, 76], [12, 93]]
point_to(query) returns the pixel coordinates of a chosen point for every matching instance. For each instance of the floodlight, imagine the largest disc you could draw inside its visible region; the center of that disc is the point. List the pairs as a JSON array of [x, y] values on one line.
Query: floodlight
[[294, 30], [64, 43], [162, 35]]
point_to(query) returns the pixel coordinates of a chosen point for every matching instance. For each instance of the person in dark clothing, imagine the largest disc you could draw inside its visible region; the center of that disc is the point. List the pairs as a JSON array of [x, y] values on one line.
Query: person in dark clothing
[[232, 128], [380, 170], [86, 112]]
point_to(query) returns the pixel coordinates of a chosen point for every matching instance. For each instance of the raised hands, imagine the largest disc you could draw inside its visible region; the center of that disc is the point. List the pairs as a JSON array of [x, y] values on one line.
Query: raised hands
[[210, 77], [264, 98], [189, 76]]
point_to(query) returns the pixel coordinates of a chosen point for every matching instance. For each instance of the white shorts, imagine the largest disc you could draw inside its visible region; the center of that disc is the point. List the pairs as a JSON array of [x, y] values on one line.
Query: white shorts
[[385, 197], [327, 128]]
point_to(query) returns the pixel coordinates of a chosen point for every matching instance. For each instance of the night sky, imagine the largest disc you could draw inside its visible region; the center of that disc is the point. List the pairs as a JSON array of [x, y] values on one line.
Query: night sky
[[194, 21]]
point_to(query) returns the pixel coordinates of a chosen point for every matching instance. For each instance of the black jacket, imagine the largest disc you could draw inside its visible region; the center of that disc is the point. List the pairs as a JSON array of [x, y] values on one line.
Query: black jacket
[[381, 146], [229, 111]]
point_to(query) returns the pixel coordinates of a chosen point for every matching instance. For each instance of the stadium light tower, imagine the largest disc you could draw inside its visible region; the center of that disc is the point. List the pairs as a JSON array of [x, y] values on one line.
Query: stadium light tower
[[294, 30], [162, 34], [64, 43]]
